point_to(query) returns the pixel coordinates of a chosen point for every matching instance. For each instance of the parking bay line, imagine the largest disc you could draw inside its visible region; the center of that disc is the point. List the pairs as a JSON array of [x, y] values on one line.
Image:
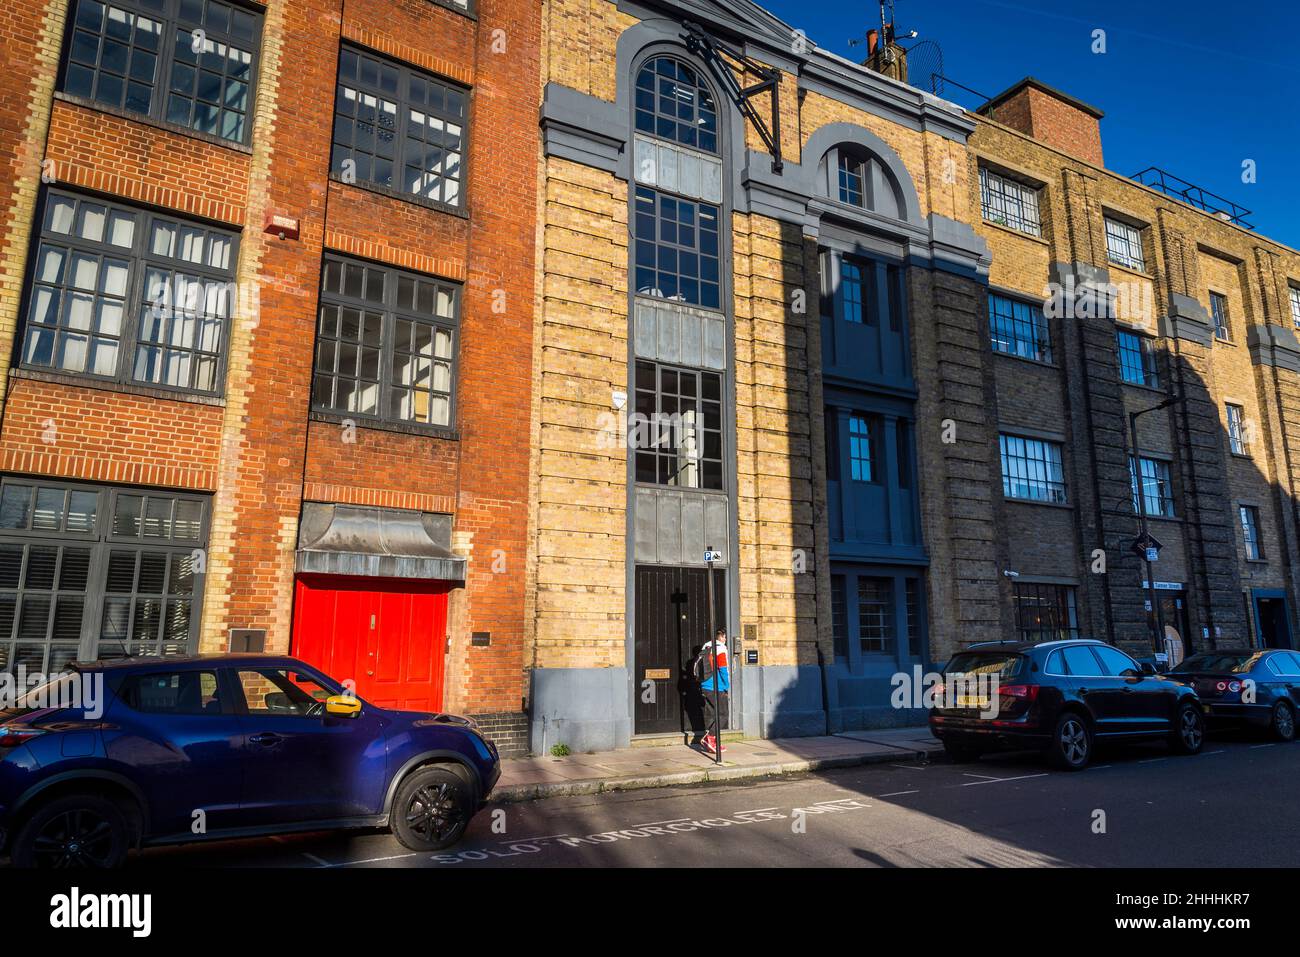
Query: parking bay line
[[1022, 777], [897, 794]]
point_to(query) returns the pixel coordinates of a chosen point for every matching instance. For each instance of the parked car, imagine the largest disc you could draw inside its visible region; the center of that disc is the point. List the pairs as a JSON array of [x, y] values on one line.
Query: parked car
[[1246, 686], [209, 748], [1062, 697]]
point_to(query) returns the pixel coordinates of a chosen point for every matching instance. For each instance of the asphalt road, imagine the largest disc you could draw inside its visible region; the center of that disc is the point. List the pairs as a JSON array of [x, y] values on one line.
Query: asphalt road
[[1236, 804]]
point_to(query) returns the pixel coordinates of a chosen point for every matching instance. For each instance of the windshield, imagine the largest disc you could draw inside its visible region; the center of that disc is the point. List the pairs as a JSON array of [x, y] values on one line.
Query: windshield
[[986, 663], [1216, 663]]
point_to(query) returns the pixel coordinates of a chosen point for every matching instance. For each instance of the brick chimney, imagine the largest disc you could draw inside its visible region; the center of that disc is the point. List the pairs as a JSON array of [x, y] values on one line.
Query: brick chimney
[[1049, 116]]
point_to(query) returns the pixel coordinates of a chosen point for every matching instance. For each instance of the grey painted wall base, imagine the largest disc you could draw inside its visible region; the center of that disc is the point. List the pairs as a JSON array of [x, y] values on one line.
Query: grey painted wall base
[[786, 701], [584, 708]]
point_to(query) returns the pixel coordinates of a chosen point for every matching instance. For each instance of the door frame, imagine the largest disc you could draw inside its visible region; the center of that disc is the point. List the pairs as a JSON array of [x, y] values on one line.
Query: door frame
[[1272, 594]]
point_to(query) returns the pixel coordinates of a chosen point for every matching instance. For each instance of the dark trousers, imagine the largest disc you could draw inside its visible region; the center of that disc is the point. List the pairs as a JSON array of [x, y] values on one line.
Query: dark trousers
[[710, 713]]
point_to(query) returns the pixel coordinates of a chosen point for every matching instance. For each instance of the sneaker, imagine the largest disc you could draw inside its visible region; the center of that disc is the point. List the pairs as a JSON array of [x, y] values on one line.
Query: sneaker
[[707, 744]]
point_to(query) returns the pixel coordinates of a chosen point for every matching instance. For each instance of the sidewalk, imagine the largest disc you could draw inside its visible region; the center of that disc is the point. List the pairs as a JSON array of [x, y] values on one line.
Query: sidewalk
[[526, 779]]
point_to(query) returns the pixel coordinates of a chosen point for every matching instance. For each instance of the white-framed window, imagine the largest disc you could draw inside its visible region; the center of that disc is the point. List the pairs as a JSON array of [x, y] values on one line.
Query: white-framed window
[[1019, 329], [1250, 532], [1031, 469], [1237, 429], [1137, 359], [1294, 293], [1007, 203], [1157, 487], [1124, 245], [1219, 313]]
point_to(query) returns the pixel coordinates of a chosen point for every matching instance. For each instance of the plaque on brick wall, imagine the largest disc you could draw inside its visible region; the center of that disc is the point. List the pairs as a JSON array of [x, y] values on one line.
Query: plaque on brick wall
[[658, 674], [751, 656], [480, 639], [247, 640]]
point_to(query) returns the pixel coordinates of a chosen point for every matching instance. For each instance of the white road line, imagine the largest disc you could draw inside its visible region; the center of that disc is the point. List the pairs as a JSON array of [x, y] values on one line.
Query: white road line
[[374, 860], [909, 767], [676, 820], [1151, 760], [1023, 777], [1098, 767], [1206, 754], [754, 811], [896, 793], [534, 840], [1256, 747], [990, 777], [313, 857]]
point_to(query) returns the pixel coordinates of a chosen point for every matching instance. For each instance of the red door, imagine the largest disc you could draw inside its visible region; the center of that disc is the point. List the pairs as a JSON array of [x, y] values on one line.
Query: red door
[[389, 636]]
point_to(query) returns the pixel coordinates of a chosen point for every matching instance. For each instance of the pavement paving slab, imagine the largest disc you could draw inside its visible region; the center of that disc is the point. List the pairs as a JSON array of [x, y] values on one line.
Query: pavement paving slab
[[526, 779]]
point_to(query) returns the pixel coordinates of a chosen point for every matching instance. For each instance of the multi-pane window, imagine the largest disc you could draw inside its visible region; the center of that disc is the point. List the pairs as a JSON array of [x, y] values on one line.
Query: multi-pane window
[[677, 249], [130, 296], [385, 344], [852, 286], [852, 178], [1031, 469], [678, 435], [861, 448], [1250, 532], [1008, 203], [398, 128], [876, 626], [1157, 489], [673, 103], [1294, 293], [1124, 245], [189, 62], [1237, 429], [839, 618], [1019, 329], [89, 572], [1045, 612], [1219, 316], [1137, 359]]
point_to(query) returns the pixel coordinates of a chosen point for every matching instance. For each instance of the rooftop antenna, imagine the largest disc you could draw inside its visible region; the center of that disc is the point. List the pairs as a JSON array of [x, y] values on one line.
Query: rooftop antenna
[[886, 38]]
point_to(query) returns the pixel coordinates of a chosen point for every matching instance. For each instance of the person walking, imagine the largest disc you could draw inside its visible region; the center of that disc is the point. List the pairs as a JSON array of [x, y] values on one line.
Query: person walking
[[711, 667]]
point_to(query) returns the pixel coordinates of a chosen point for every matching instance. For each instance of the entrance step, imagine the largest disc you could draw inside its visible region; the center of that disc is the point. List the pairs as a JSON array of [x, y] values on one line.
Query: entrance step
[[676, 739]]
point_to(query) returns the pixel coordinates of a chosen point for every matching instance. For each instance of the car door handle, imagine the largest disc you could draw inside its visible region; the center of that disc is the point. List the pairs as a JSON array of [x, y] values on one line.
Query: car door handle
[[266, 739]]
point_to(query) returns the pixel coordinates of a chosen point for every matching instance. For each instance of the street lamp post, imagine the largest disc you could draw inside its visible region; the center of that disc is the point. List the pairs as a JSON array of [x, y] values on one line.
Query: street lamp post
[[1158, 638]]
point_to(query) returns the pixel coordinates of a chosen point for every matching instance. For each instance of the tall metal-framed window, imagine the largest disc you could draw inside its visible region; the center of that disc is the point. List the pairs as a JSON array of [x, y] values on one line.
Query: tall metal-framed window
[[1019, 329], [678, 429], [1219, 315], [1007, 203], [853, 287], [674, 103], [677, 249], [1045, 612], [95, 572], [126, 295], [877, 625], [1250, 532], [385, 344], [1031, 469], [912, 605], [1157, 488], [1137, 359], [1236, 429], [399, 128], [862, 447], [839, 618], [189, 62], [1124, 245], [1293, 292]]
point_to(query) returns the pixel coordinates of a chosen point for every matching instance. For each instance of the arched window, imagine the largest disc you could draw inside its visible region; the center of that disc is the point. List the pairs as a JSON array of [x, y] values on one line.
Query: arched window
[[673, 102], [856, 177]]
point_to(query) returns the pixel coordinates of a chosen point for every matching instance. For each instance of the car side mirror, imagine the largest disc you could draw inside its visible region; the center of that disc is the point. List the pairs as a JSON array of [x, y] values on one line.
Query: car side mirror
[[1148, 668], [343, 705]]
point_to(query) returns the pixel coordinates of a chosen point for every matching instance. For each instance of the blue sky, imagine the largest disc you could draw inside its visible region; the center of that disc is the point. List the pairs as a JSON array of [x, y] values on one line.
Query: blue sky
[[1194, 87]]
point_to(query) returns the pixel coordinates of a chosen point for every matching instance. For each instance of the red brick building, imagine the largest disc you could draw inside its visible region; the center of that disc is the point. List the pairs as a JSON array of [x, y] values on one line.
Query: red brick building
[[266, 331]]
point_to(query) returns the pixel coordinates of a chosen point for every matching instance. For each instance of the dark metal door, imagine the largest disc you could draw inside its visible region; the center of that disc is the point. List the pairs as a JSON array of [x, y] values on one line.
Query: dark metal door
[[671, 624]]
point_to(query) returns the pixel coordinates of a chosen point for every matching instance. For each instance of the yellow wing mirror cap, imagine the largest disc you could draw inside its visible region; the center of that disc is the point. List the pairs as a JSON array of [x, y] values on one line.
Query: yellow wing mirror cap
[[342, 704]]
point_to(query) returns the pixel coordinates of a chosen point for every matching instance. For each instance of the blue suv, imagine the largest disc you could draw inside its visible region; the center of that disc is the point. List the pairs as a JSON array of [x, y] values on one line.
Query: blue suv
[[171, 750]]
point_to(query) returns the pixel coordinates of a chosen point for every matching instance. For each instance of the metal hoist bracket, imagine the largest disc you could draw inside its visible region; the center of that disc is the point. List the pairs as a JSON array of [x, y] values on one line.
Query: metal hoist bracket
[[724, 63]]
